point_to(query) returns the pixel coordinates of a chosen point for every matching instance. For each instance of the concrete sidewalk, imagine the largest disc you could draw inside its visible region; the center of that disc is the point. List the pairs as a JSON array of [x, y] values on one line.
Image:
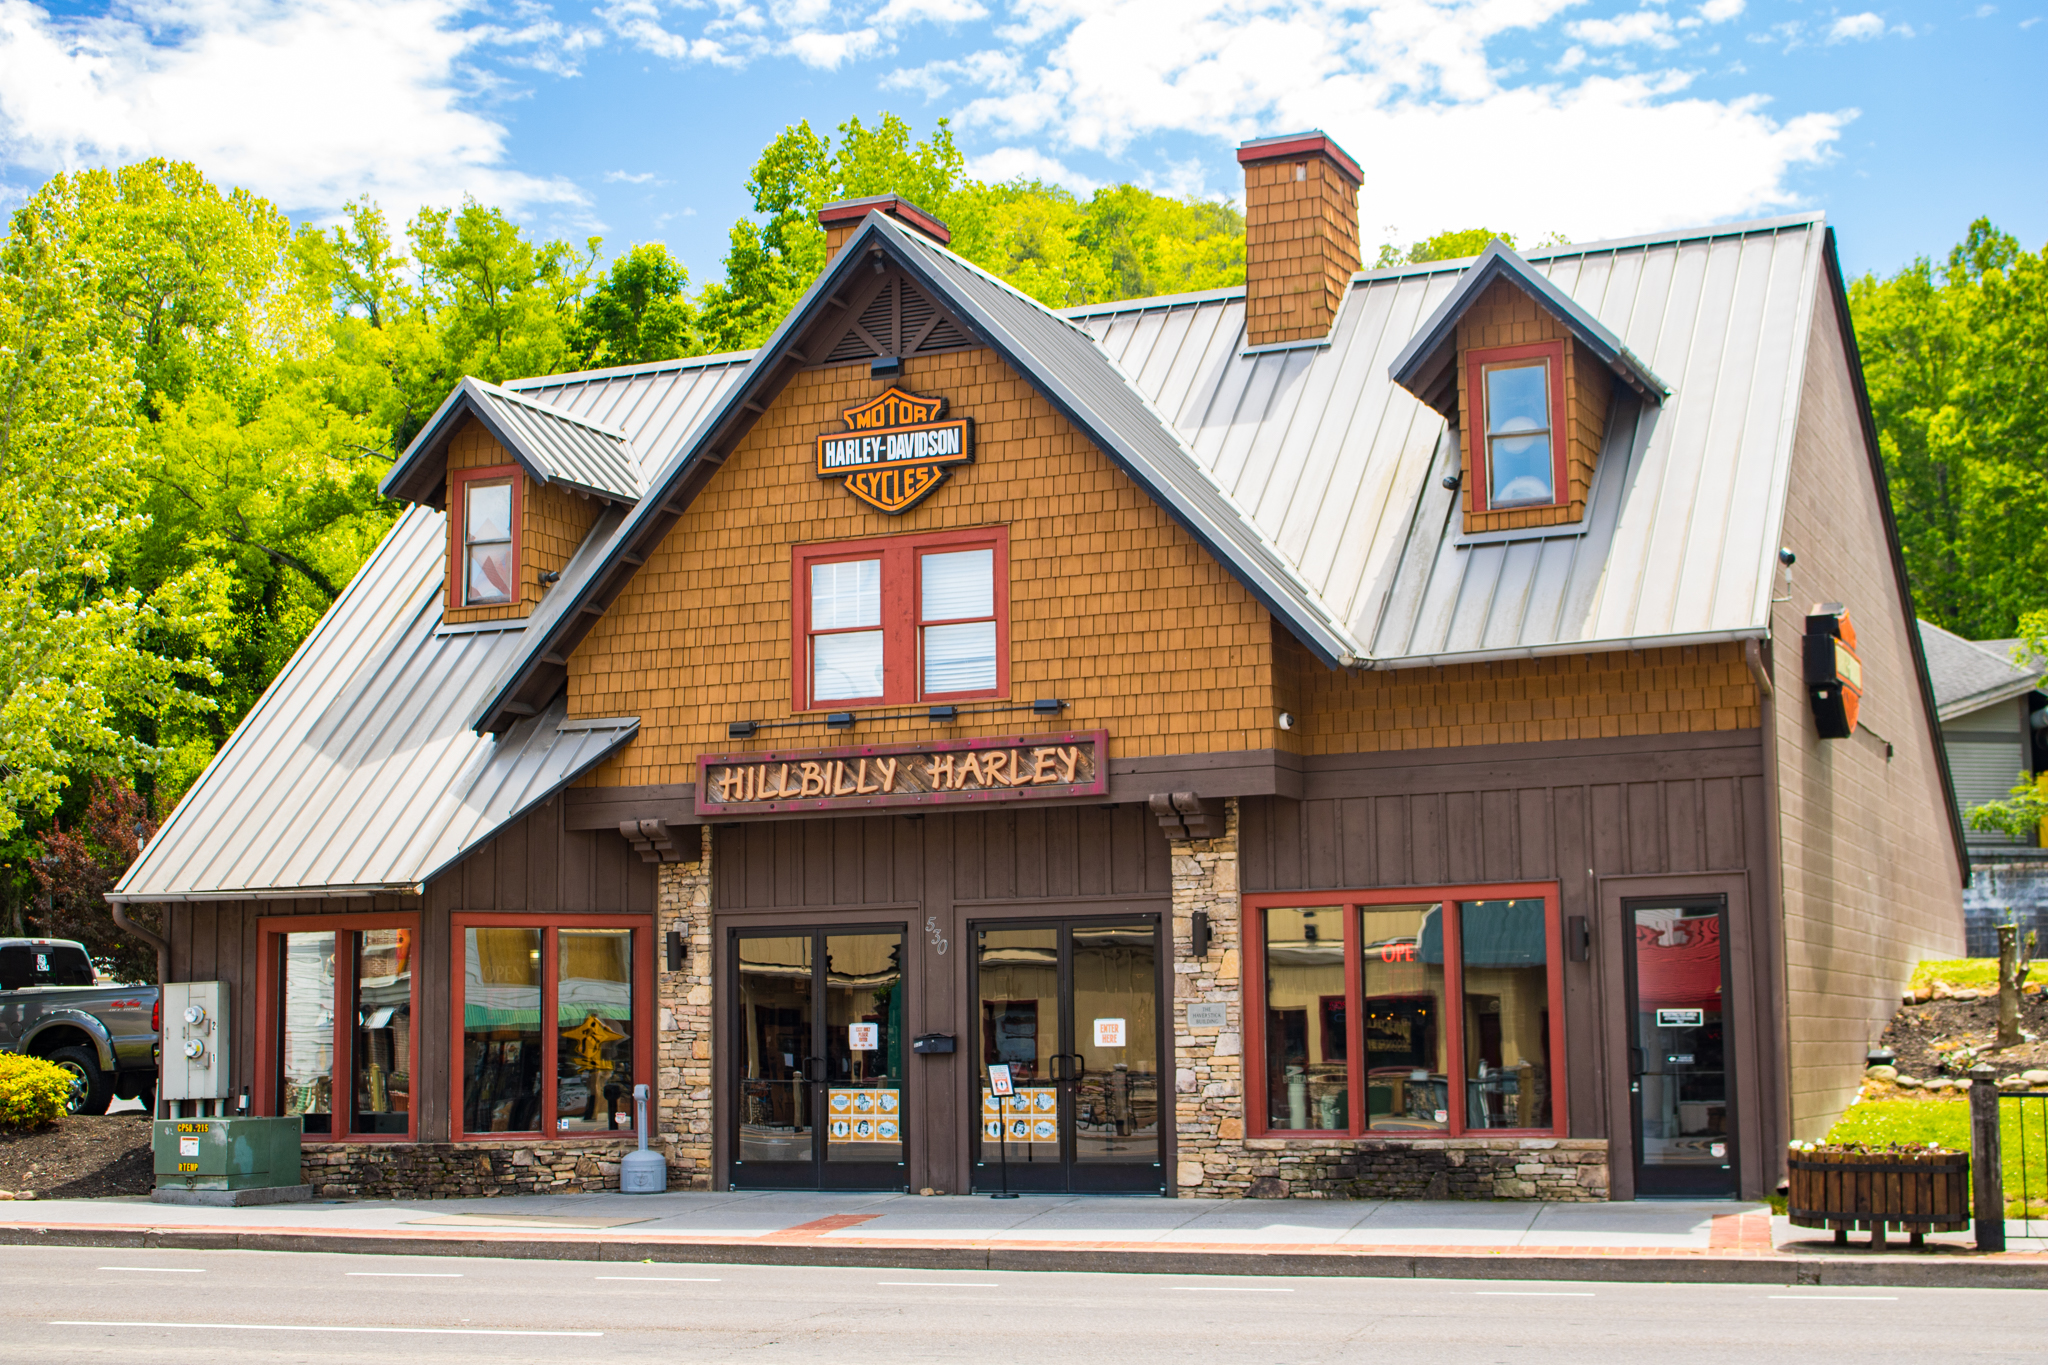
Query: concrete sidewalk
[[1646, 1240]]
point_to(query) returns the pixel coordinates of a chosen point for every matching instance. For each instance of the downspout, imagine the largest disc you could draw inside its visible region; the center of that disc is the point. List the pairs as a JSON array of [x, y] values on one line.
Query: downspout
[[154, 940]]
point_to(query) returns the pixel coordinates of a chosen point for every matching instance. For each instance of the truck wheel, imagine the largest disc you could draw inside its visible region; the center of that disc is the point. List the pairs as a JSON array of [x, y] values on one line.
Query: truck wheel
[[92, 1093]]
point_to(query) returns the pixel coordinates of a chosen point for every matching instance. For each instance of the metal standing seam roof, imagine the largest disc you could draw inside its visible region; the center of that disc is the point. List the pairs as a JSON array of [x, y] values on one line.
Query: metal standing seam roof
[[1341, 469], [554, 445], [357, 771], [1969, 675]]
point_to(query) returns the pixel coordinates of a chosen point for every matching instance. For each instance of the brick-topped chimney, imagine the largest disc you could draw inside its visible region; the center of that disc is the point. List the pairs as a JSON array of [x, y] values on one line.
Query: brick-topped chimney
[[840, 220], [1301, 235]]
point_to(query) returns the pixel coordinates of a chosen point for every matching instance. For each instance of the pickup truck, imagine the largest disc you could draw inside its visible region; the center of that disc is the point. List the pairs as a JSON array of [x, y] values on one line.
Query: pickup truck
[[104, 1035]]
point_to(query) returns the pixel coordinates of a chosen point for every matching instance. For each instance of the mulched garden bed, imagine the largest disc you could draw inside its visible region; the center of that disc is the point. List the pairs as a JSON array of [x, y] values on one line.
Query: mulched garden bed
[[80, 1157], [1933, 1038]]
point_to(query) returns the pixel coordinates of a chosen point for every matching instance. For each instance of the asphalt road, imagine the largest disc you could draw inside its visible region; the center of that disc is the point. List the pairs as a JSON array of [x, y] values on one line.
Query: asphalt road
[[66, 1304]]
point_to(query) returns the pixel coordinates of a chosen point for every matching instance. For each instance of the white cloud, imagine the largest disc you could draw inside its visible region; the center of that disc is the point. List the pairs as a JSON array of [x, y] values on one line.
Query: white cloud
[[1008, 163], [1721, 11], [1856, 28], [902, 13], [1407, 86], [1639, 26], [628, 177], [309, 104]]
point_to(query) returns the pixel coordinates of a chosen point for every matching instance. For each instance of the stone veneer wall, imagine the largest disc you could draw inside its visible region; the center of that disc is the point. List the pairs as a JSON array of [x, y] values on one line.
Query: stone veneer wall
[[1215, 1159], [457, 1170], [682, 1042]]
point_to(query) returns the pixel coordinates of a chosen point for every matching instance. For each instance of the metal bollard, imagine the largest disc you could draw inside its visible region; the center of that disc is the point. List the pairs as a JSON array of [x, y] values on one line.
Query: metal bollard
[[1987, 1172]]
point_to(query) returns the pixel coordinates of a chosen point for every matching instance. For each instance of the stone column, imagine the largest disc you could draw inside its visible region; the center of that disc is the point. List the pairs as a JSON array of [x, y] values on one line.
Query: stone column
[[682, 1049], [1208, 1061]]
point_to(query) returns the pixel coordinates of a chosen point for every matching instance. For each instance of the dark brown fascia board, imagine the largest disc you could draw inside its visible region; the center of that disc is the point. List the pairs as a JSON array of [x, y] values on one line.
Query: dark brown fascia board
[[766, 375], [1838, 292]]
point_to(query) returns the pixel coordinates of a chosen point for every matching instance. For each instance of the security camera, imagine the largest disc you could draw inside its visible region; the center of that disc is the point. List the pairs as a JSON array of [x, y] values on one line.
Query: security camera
[[1787, 558]]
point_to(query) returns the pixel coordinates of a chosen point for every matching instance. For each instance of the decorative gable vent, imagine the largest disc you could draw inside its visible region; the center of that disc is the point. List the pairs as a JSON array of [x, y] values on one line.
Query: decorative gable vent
[[901, 320]]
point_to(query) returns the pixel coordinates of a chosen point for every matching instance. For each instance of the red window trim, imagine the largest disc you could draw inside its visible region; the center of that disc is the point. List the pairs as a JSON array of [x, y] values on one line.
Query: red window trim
[[1254, 943], [269, 981], [643, 1010], [1476, 364], [458, 560], [902, 615]]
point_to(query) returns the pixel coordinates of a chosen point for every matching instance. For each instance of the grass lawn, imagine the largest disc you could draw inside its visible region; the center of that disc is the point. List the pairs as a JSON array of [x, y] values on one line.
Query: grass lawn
[[1956, 971], [1948, 1122]]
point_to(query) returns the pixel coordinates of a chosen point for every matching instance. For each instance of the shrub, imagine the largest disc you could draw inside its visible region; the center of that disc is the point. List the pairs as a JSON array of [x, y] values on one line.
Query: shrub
[[33, 1093]]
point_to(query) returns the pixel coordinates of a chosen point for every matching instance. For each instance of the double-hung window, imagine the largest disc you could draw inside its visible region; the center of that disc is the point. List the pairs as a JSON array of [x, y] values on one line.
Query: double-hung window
[[336, 1044], [552, 1023], [1517, 403], [1432, 1012], [484, 520], [901, 619]]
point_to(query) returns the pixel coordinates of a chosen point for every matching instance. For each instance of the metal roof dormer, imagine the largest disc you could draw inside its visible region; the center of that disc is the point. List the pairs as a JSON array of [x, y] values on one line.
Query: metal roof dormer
[[553, 446]]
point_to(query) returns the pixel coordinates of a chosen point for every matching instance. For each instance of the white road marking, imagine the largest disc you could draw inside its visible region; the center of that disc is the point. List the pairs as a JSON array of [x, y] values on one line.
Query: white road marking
[[660, 1279], [1841, 1298], [1533, 1293], [935, 1284], [292, 1327], [1229, 1289], [406, 1274], [154, 1269]]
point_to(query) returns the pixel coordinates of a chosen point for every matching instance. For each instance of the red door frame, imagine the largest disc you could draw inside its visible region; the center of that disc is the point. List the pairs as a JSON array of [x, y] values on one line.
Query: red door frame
[[270, 980], [644, 1013], [1446, 898]]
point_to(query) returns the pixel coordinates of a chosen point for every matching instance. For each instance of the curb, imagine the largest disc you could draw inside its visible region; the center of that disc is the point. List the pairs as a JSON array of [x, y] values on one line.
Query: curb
[[1917, 1272]]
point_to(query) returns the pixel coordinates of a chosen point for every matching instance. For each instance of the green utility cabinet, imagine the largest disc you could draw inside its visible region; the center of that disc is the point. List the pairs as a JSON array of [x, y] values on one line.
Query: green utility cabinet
[[227, 1161]]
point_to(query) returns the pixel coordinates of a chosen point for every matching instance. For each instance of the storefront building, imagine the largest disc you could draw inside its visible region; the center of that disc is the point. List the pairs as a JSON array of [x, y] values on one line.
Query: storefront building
[[1367, 733]]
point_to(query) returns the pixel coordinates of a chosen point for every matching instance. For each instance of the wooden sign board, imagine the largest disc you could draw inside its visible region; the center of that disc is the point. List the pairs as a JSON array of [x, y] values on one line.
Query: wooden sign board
[[878, 776], [895, 449]]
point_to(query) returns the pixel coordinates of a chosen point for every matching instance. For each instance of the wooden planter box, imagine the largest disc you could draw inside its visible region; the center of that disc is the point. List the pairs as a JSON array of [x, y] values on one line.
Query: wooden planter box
[[1917, 1194]]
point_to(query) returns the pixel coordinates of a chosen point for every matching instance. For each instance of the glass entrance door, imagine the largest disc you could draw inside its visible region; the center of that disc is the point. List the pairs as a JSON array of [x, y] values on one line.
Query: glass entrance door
[[1073, 1008], [818, 1099], [1678, 1072]]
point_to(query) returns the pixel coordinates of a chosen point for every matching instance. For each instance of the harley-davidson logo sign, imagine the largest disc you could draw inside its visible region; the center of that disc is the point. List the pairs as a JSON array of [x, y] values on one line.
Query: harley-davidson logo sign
[[895, 449]]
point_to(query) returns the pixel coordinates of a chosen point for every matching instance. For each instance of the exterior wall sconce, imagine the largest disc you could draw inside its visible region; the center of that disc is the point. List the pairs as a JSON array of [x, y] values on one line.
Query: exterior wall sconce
[[1198, 933], [885, 366], [943, 715], [1047, 706], [839, 720], [740, 729], [676, 950]]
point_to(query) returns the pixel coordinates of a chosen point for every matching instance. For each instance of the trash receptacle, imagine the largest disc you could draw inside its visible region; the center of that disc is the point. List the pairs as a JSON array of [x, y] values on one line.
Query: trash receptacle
[[228, 1161]]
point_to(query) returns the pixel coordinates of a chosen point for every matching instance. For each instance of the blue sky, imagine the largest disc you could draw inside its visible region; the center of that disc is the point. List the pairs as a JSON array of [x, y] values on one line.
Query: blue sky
[[639, 119]]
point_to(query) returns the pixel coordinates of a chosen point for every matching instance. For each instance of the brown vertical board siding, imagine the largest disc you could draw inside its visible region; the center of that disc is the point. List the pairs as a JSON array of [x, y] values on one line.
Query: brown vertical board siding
[[1871, 878], [1584, 815]]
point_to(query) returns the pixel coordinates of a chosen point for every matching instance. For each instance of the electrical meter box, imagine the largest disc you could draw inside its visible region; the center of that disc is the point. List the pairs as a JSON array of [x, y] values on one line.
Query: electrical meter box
[[195, 1041]]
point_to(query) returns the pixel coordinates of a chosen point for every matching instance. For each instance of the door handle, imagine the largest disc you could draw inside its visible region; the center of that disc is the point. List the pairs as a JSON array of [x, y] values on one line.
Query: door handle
[[1080, 1066], [1635, 1061], [818, 1076]]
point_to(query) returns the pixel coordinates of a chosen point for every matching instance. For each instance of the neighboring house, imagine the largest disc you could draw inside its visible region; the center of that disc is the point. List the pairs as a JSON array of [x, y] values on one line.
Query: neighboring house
[[1991, 728], [1345, 735]]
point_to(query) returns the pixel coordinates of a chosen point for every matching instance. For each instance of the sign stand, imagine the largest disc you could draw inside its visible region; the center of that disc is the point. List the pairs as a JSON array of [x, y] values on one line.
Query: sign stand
[[999, 1085]]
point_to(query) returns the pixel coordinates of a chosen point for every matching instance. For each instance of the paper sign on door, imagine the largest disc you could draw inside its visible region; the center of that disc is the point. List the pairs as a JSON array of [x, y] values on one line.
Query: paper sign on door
[[863, 1037], [1109, 1033]]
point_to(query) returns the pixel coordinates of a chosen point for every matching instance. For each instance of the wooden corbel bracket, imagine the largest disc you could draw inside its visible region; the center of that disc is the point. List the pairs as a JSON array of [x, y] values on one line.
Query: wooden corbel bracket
[[1185, 815], [652, 840]]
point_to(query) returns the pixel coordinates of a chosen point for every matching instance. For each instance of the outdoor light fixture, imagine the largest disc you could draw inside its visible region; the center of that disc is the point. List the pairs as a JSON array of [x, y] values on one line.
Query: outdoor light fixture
[[840, 720], [675, 950], [1047, 706], [885, 366], [942, 714], [740, 729], [1198, 933]]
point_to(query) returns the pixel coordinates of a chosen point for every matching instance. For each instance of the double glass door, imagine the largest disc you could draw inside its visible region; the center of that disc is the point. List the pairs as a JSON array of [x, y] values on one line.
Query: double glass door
[[819, 1046], [1072, 1007], [1679, 1087]]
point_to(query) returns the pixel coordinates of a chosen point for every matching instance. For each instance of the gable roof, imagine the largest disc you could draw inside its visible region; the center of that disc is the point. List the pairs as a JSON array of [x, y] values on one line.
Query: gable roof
[[1064, 364], [1969, 675], [1427, 365], [553, 446]]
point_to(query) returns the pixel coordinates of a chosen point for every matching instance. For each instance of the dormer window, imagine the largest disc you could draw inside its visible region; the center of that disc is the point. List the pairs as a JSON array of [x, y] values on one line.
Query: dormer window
[[484, 571], [1518, 400]]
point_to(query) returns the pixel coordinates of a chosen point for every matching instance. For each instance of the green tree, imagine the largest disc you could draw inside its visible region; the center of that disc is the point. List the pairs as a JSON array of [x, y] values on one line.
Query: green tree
[[1955, 361], [640, 311]]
